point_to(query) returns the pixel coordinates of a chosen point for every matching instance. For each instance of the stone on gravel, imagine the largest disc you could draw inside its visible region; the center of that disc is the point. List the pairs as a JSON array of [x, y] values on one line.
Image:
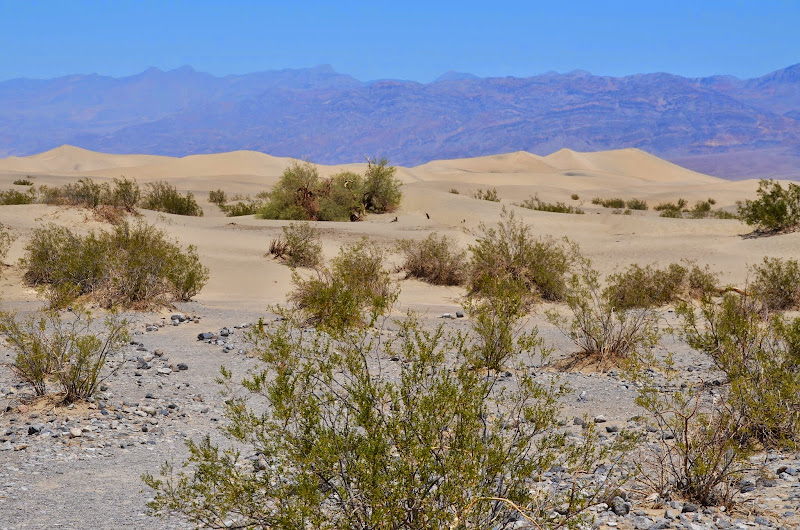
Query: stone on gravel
[[459, 314], [164, 371], [183, 366], [690, 507], [75, 432], [600, 419], [620, 507]]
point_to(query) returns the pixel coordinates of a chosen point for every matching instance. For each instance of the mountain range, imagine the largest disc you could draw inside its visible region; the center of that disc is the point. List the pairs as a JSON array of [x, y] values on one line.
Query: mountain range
[[719, 125]]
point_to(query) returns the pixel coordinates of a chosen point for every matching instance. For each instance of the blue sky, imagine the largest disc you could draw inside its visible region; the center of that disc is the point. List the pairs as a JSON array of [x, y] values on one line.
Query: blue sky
[[405, 40]]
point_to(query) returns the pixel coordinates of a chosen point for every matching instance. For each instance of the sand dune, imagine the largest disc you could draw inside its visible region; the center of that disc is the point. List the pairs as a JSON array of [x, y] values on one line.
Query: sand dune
[[234, 248]]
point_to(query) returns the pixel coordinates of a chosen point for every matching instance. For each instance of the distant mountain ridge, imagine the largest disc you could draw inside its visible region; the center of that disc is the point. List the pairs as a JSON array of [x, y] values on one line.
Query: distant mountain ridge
[[719, 125]]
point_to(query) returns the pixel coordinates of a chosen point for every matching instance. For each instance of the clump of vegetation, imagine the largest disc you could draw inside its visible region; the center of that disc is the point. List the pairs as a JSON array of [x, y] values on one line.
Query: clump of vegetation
[[65, 351], [605, 336], [302, 195], [488, 195], [574, 197], [300, 245], [455, 191], [133, 266], [615, 202], [218, 197], [758, 356], [776, 284], [699, 454], [534, 203], [6, 238], [337, 298], [237, 209], [509, 250], [775, 210], [636, 204], [342, 444], [626, 211], [436, 260], [11, 197], [23, 182], [162, 196], [649, 286]]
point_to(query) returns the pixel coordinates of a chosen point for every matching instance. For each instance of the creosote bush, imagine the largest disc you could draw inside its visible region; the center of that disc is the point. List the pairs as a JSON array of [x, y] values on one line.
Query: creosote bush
[[650, 286], [775, 210], [300, 245], [534, 203], [23, 182], [615, 202], [17, 197], [162, 196], [130, 266], [636, 204], [6, 239], [760, 358], [489, 195], [342, 444], [436, 260], [539, 266], [218, 197], [604, 335], [302, 195], [342, 297], [776, 284], [65, 351]]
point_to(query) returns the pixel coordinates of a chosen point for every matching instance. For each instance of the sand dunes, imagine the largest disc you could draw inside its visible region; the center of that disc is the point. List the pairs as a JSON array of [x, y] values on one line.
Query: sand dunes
[[233, 247]]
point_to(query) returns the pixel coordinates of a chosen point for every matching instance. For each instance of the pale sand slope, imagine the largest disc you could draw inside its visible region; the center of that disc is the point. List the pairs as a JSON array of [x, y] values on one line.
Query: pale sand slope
[[233, 248]]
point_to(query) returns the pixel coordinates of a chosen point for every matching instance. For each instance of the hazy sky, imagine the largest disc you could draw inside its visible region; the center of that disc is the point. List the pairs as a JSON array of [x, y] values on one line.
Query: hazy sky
[[405, 39]]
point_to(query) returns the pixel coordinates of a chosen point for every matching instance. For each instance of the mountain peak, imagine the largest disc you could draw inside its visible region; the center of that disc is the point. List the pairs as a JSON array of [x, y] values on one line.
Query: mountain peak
[[452, 75]]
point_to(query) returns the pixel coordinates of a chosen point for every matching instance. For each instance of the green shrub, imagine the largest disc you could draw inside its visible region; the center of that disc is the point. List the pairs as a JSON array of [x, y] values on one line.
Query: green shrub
[[435, 260], [300, 194], [16, 197], [337, 298], [343, 444], [218, 197], [49, 348], [650, 286], [574, 197], [300, 245], [164, 197], [671, 213], [533, 203], [609, 203], [238, 209], [776, 209], [603, 334], [488, 195], [454, 191], [776, 284], [636, 204], [125, 194], [6, 239], [680, 205], [23, 182], [130, 266], [510, 250], [698, 454], [760, 360]]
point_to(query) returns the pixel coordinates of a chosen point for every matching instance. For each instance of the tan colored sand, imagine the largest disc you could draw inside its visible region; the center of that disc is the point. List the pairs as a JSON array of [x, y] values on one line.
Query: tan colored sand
[[234, 248]]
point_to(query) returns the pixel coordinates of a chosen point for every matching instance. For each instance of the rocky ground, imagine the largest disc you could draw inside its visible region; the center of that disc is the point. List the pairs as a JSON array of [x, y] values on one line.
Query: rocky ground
[[80, 466]]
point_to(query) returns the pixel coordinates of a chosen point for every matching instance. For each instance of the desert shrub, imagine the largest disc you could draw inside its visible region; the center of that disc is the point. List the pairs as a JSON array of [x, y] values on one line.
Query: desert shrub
[[218, 197], [609, 203], [125, 194], [337, 298], [510, 250], [454, 191], [343, 444], [17, 197], [67, 351], [700, 210], [671, 213], [636, 204], [497, 324], [776, 283], [760, 359], [775, 209], [162, 196], [603, 334], [435, 260], [488, 195], [85, 192], [534, 203], [680, 205], [381, 191], [650, 286], [574, 196], [622, 212], [698, 455], [6, 239], [240, 208], [300, 194], [23, 182], [300, 245], [130, 266]]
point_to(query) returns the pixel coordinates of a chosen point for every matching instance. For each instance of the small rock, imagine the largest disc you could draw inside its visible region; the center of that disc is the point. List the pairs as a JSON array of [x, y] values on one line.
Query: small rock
[[205, 336], [620, 507], [600, 419], [75, 432], [164, 371], [612, 428], [689, 507], [447, 315], [158, 353], [578, 421], [35, 429], [183, 367]]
